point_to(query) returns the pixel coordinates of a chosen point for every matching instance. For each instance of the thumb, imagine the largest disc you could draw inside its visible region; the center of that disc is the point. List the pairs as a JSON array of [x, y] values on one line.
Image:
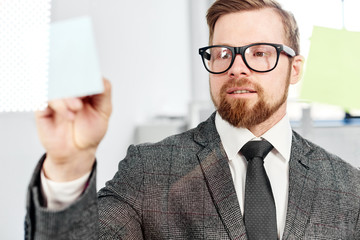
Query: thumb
[[102, 102]]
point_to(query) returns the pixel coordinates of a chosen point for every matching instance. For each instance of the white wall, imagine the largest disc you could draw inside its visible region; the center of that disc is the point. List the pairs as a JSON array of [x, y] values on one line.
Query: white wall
[[155, 84], [19, 152], [144, 50]]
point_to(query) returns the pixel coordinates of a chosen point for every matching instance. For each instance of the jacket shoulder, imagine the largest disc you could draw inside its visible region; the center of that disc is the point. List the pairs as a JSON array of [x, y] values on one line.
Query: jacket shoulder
[[329, 165], [193, 138]]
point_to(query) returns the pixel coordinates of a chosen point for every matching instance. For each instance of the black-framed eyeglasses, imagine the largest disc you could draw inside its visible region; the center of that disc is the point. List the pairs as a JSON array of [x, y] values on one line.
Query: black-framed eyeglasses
[[259, 57]]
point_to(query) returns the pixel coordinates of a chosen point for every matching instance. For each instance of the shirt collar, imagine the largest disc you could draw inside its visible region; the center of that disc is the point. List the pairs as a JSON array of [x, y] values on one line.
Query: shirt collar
[[233, 139]]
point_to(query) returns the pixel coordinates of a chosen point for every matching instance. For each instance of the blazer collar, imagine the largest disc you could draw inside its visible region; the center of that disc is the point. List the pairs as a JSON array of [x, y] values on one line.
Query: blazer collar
[[206, 132], [303, 178], [214, 164]]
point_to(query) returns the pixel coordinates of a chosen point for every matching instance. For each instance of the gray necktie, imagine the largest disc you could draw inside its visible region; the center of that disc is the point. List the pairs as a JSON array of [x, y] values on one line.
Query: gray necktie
[[259, 208]]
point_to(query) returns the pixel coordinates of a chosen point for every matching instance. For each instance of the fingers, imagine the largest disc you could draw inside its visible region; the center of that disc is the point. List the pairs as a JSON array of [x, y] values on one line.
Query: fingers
[[73, 104], [44, 113], [64, 108], [107, 86], [107, 99], [67, 108], [102, 102]]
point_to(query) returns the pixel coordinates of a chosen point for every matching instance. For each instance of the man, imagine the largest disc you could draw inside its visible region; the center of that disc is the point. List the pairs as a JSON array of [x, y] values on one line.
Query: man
[[195, 185]]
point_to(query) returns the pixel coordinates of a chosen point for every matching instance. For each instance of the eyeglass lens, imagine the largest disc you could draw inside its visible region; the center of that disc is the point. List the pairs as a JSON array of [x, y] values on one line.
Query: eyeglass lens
[[257, 57]]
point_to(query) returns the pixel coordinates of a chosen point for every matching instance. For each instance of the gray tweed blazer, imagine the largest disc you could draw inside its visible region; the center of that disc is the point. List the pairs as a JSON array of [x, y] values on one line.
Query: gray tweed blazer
[[181, 188]]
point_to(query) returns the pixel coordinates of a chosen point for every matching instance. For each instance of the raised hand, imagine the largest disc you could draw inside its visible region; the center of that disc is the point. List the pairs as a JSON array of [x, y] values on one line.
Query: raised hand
[[71, 130]]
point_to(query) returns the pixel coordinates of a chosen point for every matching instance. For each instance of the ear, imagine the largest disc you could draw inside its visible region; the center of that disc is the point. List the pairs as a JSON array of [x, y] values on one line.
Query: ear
[[296, 69]]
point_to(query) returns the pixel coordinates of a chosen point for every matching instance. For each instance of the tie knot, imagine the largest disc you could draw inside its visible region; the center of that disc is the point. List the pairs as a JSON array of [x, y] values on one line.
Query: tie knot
[[256, 149]]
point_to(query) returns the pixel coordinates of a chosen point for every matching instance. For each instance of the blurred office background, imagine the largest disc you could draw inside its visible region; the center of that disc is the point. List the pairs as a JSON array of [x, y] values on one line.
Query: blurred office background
[[148, 50]]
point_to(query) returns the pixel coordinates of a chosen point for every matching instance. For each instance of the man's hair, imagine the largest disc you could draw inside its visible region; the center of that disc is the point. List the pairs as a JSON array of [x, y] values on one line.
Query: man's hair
[[222, 7]]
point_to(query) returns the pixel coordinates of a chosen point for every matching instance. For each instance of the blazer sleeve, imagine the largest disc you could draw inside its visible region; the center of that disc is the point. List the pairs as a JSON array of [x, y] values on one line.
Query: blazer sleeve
[[121, 200], [357, 229], [113, 213], [78, 221]]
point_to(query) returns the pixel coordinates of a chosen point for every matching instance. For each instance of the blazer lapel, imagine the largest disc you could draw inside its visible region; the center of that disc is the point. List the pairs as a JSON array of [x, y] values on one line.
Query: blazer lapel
[[214, 164], [302, 186]]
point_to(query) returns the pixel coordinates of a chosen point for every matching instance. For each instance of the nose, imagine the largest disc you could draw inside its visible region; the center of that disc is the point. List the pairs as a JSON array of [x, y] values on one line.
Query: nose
[[238, 68]]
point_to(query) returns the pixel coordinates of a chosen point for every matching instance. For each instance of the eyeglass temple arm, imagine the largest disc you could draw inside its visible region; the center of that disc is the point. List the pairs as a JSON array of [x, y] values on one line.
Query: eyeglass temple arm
[[289, 51], [205, 55]]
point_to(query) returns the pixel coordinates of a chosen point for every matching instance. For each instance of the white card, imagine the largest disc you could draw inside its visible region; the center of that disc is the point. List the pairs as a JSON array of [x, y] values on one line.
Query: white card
[[73, 64]]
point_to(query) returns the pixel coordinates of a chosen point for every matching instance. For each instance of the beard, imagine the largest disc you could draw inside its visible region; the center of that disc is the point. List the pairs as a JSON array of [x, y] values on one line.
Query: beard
[[239, 114]]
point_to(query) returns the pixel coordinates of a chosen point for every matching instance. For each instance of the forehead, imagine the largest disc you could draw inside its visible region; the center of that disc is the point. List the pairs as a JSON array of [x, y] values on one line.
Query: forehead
[[242, 28]]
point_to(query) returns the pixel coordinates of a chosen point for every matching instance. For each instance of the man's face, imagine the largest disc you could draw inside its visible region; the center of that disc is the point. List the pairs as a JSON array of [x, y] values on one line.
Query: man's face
[[243, 97]]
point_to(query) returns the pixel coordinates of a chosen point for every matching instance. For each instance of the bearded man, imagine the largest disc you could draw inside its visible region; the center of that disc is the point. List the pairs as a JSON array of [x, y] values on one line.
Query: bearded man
[[242, 174]]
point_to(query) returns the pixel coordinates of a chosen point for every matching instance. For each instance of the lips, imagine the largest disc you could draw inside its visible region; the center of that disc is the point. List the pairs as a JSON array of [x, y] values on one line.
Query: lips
[[240, 91]]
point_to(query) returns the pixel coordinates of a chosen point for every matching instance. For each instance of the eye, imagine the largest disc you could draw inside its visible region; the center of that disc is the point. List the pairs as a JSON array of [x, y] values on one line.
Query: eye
[[225, 53], [220, 53], [261, 51], [260, 54]]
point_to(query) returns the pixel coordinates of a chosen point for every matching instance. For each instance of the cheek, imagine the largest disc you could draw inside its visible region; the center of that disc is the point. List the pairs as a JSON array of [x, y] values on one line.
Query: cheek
[[276, 91], [215, 85], [273, 89], [277, 83]]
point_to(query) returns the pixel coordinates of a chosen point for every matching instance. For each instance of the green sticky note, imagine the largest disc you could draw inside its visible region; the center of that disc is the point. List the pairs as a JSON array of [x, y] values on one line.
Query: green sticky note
[[332, 72]]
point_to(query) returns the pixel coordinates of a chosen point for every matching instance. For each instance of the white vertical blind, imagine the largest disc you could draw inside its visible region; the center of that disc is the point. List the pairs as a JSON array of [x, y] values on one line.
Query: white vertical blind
[[24, 28]]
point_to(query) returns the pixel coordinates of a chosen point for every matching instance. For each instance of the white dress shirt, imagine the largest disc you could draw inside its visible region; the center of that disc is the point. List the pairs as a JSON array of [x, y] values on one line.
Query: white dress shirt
[[276, 163], [59, 195]]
